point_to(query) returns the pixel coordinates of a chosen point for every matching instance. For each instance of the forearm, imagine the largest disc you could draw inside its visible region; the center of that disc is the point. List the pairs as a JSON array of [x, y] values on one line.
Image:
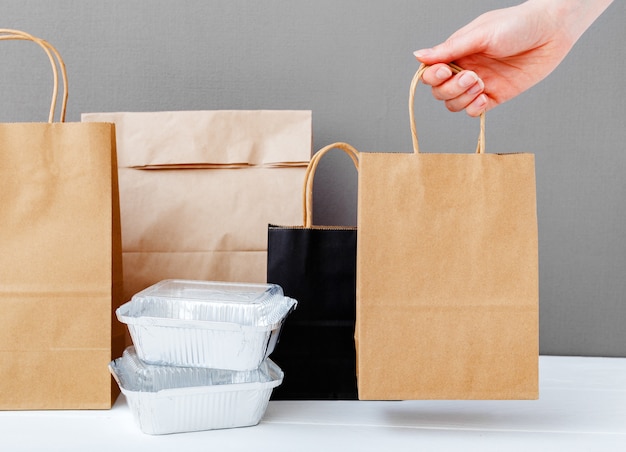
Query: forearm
[[573, 16]]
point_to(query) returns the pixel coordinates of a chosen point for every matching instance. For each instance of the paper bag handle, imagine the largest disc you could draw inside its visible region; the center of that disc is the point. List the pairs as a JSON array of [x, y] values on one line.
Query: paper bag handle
[[480, 147], [307, 192], [8, 34]]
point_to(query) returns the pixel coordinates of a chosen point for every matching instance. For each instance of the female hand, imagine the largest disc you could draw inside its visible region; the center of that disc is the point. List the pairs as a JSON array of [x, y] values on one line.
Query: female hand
[[506, 51]]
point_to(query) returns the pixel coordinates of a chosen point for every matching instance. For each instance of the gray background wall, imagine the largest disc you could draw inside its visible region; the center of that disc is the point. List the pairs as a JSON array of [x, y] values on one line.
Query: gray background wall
[[350, 62]]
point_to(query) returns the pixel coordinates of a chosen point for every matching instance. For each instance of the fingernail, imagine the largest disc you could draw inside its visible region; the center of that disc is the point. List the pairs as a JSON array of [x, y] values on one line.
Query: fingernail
[[477, 88], [468, 79], [481, 101], [443, 73], [424, 53]]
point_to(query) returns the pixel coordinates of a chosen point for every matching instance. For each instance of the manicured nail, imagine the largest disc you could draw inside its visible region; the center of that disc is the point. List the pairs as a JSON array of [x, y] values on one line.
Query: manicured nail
[[477, 88], [468, 79], [478, 106], [443, 73], [424, 53], [481, 102]]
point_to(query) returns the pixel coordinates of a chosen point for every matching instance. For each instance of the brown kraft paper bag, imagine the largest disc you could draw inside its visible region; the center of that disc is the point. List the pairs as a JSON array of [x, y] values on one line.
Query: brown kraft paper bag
[[447, 275], [60, 259], [198, 189]]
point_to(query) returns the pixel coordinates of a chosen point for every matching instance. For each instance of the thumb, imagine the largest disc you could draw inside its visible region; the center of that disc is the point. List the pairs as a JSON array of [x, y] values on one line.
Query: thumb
[[451, 49]]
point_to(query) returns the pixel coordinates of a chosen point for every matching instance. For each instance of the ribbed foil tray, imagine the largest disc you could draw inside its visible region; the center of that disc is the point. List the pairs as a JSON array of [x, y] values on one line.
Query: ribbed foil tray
[[166, 399], [231, 326]]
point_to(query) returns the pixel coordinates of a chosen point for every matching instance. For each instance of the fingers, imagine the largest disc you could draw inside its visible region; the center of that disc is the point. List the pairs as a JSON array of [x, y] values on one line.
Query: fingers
[[476, 106], [462, 91], [437, 74]]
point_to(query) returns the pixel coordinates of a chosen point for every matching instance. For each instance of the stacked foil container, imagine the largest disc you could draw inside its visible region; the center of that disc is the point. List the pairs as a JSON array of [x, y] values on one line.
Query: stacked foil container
[[199, 359]]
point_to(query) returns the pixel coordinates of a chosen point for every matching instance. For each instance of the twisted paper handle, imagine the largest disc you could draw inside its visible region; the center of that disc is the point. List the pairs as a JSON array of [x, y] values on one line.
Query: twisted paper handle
[[480, 147], [307, 192], [8, 34]]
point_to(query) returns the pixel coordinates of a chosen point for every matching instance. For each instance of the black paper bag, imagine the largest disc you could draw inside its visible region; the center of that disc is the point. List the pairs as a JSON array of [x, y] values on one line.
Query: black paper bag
[[316, 265]]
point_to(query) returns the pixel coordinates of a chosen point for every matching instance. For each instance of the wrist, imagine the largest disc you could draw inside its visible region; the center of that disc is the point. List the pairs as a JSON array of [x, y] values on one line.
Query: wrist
[[573, 17]]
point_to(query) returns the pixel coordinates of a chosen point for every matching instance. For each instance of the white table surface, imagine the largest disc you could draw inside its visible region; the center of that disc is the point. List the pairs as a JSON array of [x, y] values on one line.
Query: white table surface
[[582, 407]]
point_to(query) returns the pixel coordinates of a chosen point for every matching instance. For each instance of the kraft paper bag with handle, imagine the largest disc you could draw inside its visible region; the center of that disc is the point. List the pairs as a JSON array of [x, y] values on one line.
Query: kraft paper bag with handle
[[60, 259], [198, 189], [447, 274], [316, 265]]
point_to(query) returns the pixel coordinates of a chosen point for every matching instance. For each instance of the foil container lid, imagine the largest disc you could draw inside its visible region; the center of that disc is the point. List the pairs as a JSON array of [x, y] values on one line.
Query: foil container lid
[[205, 301]]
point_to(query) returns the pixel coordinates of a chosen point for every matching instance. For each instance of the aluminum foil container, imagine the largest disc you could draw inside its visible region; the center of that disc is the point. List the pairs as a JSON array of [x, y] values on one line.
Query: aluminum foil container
[[166, 399], [219, 325]]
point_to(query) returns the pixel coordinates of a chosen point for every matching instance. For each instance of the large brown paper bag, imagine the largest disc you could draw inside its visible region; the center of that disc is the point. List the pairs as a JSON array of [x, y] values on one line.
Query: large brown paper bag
[[447, 275], [60, 260], [198, 189]]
